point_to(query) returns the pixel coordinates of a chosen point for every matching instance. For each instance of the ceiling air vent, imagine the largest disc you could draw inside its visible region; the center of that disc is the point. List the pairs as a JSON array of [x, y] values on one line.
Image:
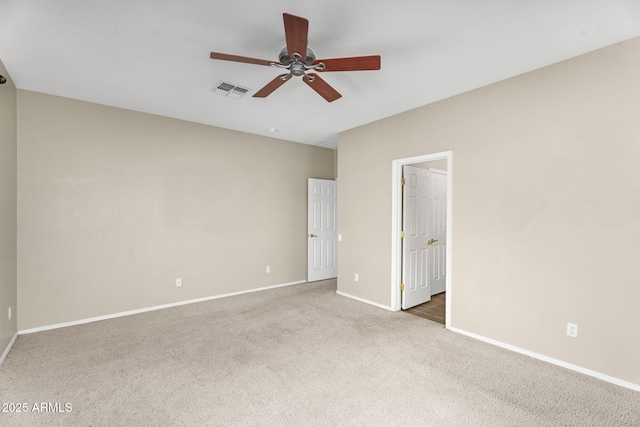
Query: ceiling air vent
[[230, 90]]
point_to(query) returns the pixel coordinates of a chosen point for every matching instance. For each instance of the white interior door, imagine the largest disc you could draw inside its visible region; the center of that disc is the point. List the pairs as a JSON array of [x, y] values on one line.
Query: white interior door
[[322, 232], [416, 235], [437, 243]]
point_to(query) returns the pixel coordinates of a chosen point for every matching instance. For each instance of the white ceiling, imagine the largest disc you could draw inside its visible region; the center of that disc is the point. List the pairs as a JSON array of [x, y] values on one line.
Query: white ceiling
[[153, 55]]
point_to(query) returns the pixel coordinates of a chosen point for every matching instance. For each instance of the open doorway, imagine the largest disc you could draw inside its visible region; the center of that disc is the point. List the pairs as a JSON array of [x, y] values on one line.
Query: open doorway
[[421, 226], [424, 212]]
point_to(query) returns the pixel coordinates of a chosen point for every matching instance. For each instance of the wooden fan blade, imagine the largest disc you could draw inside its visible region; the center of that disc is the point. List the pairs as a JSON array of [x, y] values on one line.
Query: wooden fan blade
[[271, 86], [323, 88], [354, 63], [296, 30], [245, 59]]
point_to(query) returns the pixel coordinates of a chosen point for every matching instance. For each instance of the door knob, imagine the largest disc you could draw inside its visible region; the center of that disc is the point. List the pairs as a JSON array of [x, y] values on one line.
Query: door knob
[[431, 242], [312, 235]]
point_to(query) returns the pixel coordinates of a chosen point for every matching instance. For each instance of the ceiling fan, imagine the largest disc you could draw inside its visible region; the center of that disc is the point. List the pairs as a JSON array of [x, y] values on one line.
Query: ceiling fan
[[300, 61]]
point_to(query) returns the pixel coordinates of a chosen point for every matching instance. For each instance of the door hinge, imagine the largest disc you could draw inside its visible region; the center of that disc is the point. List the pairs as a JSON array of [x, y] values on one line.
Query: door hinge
[[402, 234], [402, 181], [402, 286]]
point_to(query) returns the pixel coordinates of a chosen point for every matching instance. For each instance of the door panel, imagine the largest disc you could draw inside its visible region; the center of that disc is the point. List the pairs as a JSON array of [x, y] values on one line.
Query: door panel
[[322, 230], [438, 232], [414, 244]]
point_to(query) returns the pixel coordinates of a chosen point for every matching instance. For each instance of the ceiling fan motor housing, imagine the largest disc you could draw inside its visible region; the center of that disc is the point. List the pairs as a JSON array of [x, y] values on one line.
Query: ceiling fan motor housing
[[285, 59]]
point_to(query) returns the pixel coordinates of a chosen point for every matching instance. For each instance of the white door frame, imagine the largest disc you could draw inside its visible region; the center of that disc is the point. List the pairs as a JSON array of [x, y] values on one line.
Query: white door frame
[[396, 227]]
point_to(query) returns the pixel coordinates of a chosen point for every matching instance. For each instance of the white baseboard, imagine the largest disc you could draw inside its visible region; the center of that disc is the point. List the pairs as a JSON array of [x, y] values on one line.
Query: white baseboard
[[6, 350], [599, 375], [366, 301], [144, 310]]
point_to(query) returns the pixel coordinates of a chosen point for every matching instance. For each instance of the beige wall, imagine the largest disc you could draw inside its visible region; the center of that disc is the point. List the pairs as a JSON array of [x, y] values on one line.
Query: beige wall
[[8, 164], [546, 207], [114, 205]]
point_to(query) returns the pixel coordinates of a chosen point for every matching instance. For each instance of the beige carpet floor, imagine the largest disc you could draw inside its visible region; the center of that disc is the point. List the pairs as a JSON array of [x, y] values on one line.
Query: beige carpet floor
[[293, 356]]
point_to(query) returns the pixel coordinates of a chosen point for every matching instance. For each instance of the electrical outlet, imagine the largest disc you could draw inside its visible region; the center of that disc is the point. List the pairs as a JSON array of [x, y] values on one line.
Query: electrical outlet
[[9, 313], [179, 281], [268, 269], [572, 330], [356, 277]]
